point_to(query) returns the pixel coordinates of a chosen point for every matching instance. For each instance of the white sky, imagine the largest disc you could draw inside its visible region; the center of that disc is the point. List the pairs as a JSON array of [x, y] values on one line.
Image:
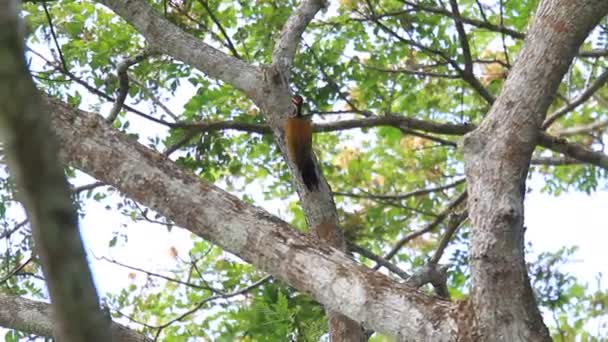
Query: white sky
[[552, 222]]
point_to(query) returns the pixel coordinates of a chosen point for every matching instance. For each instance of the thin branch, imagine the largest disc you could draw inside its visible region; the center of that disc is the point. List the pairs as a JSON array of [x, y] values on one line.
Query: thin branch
[[402, 197], [584, 96], [469, 21], [168, 38], [502, 35], [440, 141], [15, 271], [410, 71], [209, 299], [98, 92], [205, 5], [482, 12], [429, 227], [181, 142], [378, 259], [582, 129], [222, 125], [331, 81], [202, 25], [157, 101], [454, 221], [87, 187], [15, 228], [54, 35], [462, 36], [554, 161], [594, 53], [123, 83], [158, 275], [467, 77]]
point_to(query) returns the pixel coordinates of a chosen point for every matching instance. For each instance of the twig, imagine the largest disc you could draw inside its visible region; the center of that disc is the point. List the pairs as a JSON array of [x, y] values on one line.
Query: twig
[[378, 259], [584, 96], [462, 36], [429, 227], [454, 222], [15, 271], [12, 231], [123, 83], [52, 28], [158, 275], [205, 5], [207, 300], [407, 195]]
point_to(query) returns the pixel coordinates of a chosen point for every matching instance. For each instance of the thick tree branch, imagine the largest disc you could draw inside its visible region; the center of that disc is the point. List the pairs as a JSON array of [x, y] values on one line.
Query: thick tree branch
[[35, 318], [287, 44], [556, 144], [31, 149], [329, 275], [169, 39], [497, 157]]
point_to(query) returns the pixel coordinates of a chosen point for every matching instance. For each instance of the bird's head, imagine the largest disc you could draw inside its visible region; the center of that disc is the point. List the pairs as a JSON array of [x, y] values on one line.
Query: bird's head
[[297, 102]]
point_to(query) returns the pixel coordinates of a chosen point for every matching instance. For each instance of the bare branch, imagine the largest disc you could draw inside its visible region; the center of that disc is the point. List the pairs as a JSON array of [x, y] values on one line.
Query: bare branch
[[582, 129], [15, 271], [469, 21], [402, 197], [247, 231], [32, 156], [169, 39], [198, 306], [229, 44], [454, 221], [287, 43], [462, 36], [35, 318], [553, 143], [594, 53], [554, 161], [54, 35], [429, 227], [123, 83], [584, 96], [378, 259], [411, 71]]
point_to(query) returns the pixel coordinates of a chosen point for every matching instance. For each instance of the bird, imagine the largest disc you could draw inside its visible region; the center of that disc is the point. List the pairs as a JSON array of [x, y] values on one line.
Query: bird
[[298, 137]]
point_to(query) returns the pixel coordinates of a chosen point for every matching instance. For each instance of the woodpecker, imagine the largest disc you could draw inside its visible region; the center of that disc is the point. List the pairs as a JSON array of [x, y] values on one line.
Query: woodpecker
[[298, 136]]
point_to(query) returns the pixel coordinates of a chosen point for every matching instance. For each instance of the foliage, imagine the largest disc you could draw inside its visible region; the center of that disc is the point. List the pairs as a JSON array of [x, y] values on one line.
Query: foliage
[[354, 60]]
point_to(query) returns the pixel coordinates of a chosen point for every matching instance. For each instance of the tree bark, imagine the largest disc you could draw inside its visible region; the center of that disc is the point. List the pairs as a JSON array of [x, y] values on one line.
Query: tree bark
[[268, 87], [35, 318], [497, 156], [31, 149], [327, 274]]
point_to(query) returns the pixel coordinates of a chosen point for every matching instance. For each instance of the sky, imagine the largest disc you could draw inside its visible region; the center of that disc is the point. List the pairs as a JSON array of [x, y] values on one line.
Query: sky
[[552, 222]]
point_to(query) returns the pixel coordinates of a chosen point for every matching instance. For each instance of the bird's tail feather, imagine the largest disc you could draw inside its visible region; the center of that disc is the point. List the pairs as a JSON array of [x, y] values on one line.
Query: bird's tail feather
[[309, 174]]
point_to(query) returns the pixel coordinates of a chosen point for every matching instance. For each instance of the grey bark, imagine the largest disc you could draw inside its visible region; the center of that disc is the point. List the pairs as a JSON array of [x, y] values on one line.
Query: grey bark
[[497, 156], [35, 318], [31, 150], [268, 87], [327, 274]]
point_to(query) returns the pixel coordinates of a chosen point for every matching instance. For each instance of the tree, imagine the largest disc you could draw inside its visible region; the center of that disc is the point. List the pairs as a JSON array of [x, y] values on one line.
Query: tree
[[453, 104]]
